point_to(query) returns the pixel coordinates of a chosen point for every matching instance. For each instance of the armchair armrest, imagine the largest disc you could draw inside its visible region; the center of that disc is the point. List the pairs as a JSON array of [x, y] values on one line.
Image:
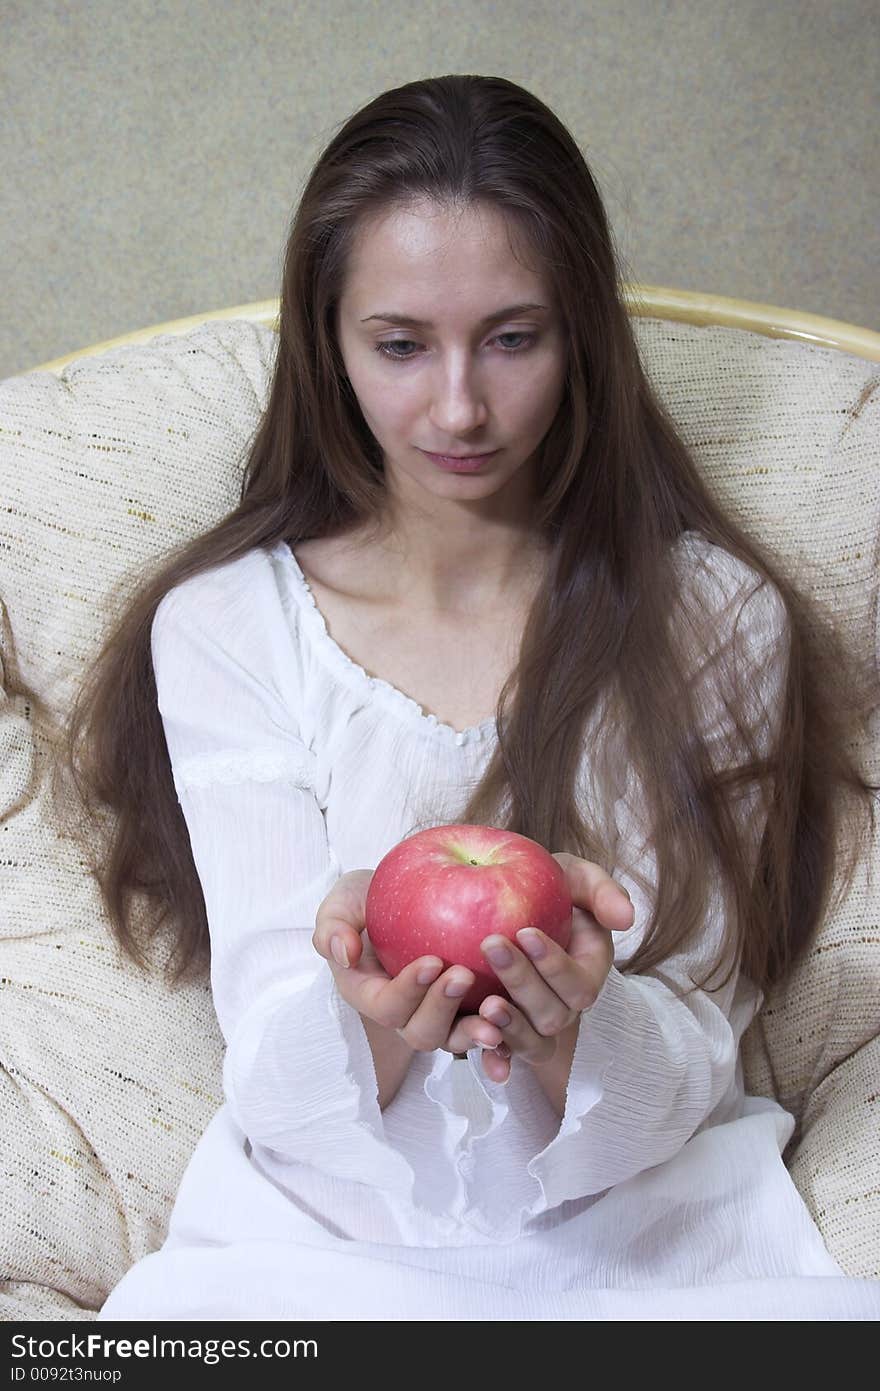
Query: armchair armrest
[[836, 1165]]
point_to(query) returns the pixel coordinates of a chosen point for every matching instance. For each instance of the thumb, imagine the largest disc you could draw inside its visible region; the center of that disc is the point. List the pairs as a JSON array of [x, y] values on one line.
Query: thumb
[[341, 914], [594, 890]]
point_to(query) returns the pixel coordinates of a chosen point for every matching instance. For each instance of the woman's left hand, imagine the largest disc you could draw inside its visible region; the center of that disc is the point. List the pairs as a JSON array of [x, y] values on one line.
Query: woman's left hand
[[549, 991]]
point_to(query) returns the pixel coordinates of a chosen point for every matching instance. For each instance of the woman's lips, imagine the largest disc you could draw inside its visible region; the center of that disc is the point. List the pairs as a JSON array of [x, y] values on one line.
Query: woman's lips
[[467, 464]]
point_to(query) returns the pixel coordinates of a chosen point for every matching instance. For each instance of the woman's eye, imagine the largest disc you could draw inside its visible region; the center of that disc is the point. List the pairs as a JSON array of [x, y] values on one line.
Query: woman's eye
[[389, 349], [528, 337], [390, 346]]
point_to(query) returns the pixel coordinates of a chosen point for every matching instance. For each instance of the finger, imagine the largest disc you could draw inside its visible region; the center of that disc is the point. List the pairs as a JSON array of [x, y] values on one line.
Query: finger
[[591, 888], [518, 1034], [590, 947], [394, 1001], [497, 1064], [471, 1031], [574, 974], [429, 1024], [341, 916], [548, 1003]]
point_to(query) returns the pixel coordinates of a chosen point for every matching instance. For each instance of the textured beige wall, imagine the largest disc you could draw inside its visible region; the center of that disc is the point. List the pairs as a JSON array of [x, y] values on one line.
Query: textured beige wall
[[153, 151]]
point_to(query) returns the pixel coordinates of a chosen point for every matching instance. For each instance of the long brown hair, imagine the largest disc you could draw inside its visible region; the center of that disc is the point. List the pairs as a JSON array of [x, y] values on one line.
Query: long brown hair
[[618, 489]]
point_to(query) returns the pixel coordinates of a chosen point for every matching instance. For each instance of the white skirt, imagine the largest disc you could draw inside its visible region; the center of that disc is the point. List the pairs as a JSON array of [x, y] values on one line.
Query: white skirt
[[661, 1245]]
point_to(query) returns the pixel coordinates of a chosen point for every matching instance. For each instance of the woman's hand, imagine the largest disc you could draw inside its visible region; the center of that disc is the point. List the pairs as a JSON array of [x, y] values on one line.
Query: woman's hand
[[416, 1006], [550, 991]]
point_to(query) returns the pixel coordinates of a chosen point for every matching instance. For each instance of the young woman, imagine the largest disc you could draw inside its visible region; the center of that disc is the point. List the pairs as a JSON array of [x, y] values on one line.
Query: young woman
[[475, 576]]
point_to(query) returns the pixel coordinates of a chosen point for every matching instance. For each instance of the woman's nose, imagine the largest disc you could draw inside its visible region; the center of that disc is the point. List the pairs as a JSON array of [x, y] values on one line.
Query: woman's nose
[[458, 404]]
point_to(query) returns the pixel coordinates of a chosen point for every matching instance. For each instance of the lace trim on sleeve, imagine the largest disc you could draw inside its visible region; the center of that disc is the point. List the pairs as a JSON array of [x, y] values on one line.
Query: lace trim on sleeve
[[246, 765]]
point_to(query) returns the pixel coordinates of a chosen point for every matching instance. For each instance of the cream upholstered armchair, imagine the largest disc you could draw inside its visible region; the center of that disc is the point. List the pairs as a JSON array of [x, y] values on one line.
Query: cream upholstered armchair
[[115, 454]]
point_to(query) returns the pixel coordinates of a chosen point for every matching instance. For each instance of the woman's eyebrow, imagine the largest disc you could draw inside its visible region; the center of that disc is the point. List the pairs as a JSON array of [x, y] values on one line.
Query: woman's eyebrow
[[406, 320]]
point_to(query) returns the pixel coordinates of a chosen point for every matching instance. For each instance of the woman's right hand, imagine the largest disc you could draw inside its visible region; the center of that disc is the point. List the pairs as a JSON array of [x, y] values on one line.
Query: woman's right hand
[[415, 1002]]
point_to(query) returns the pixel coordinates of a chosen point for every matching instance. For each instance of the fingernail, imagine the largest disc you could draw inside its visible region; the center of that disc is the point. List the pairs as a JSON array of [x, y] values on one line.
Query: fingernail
[[498, 955], [499, 1017], [429, 973], [456, 988], [339, 950], [531, 943]]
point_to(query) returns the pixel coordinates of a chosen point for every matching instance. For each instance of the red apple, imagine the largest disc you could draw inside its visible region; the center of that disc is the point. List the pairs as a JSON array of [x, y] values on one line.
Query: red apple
[[441, 892]]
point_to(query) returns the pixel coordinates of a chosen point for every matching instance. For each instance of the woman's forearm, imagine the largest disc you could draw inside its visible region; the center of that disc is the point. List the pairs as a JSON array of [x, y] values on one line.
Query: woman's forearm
[[553, 1075], [391, 1059]]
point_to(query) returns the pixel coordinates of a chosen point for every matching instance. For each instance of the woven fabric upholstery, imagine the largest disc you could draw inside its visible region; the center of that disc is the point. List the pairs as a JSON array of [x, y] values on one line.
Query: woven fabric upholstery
[[107, 1076]]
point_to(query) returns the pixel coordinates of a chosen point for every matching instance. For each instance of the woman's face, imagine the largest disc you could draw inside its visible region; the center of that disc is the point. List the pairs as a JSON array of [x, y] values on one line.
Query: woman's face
[[456, 383]]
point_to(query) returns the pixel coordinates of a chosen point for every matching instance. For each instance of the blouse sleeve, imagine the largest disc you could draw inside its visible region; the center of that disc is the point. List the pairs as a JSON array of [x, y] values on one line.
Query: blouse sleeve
[[652, 1064], [298, 1071]]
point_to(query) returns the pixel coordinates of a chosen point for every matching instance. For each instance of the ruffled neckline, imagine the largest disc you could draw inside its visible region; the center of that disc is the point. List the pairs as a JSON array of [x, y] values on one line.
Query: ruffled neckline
[[390, 696]]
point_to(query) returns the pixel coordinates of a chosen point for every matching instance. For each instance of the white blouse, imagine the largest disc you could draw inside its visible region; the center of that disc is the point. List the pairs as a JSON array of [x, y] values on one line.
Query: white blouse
[[661, 1192]]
